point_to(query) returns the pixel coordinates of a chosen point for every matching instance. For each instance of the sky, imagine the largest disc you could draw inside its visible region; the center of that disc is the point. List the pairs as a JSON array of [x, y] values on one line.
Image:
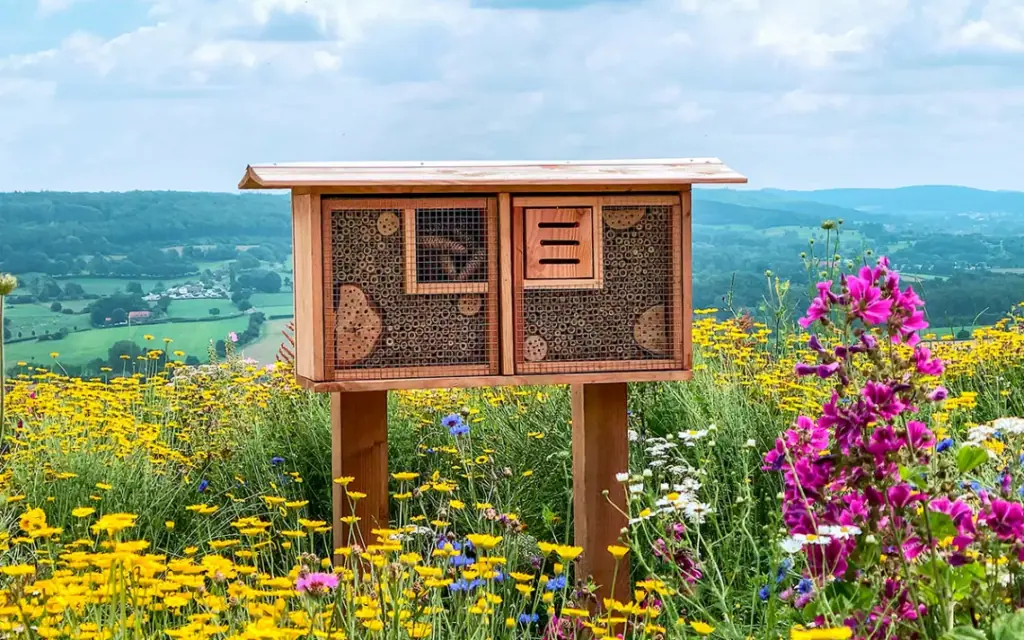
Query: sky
[[112, 95]]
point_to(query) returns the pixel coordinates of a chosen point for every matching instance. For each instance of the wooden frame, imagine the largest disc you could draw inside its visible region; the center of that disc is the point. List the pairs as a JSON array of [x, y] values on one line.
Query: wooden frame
[[408, 206], [679, 279]]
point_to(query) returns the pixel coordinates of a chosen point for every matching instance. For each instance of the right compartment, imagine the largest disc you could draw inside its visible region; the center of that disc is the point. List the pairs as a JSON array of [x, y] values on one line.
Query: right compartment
[[598, 283]]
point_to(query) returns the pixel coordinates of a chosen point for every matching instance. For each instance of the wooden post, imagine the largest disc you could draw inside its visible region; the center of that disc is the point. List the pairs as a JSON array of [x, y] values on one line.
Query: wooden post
[[600, 449], [359, 448]]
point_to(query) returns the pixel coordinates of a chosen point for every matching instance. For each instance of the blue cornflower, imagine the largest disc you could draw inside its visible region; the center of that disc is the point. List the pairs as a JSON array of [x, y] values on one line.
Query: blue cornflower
[[462, 561], [203, 485], [462, 585], [276, 460], [805, 586], [975, 485], [784, 567], [555, 584], [1020, 492], [944, 445], [527, 618], [764, 593], [456, 425]]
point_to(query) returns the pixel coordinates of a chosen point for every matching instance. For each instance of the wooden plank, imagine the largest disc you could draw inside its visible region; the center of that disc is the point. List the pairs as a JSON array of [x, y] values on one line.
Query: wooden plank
[[456, 382], [329, 190], [598, 200], [381, 373], [439, 288], [439, 202], [565, 283], [559, 243], [359, 448], [307, 267], [493, 288], [600, 449], [432, 174], [518, 238], [409, 253], [687, 249], [571, 366], [675, 320], [505, 288]]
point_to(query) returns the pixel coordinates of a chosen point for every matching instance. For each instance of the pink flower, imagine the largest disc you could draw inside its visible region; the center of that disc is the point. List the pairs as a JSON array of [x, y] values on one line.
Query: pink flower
[[924, 363], [1005, 519], [919, 436], [819, 306], [866, 300], [233, 336], [316, 584]]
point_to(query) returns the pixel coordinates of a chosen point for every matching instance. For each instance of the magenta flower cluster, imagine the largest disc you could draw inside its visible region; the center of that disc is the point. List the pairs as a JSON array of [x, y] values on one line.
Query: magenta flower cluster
[[847, 490]]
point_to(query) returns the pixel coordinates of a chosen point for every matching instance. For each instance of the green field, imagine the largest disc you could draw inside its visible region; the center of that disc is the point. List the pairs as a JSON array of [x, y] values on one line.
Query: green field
[[107, 286], [265, 349], [273, 304], [26, 318], [200, 308], [79, 348]]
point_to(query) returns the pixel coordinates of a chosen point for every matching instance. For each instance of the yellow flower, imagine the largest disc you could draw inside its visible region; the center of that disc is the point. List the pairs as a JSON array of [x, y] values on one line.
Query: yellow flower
[[82, 512], [457, 504], [18, 570], [404, 476], [617, 551], [702, 628], [344, 480], [169, 524], [483, 540], [104, 486], [835, 633], [355, 495]]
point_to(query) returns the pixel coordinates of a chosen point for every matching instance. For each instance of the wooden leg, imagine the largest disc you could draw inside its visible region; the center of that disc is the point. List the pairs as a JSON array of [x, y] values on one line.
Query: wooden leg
[[600, 449], [359, 448]]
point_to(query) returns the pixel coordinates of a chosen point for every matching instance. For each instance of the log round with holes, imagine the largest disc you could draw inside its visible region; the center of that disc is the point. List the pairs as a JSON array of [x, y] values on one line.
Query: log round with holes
[[470, 305], [649, 331], [387, 223], [622, 217], [535, 348], [358, 326]]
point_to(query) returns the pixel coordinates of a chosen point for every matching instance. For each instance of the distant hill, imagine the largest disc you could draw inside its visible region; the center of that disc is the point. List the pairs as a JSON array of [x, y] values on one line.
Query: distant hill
[[939, 199]]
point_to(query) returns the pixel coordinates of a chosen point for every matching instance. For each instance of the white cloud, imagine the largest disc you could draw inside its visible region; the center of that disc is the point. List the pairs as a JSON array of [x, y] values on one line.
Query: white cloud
[[49, 7], [795, 92]]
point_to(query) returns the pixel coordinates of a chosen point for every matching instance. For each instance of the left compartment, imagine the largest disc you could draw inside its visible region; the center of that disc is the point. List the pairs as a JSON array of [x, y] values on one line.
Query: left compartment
[[410, 287]]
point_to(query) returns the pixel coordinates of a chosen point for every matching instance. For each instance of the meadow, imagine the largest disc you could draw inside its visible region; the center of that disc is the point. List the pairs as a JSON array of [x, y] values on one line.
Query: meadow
[[858, 484]]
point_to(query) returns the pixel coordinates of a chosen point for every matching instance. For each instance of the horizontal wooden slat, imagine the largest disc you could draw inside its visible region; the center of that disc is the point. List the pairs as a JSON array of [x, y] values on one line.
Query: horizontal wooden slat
[[347, 204], [607, 172], [495, 381]]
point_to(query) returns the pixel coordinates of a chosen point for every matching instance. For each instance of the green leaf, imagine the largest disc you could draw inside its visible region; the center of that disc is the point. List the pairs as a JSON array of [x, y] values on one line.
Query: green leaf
[[1009, 627], [968, 458], [964, 632], [915, 476], [940, 525]]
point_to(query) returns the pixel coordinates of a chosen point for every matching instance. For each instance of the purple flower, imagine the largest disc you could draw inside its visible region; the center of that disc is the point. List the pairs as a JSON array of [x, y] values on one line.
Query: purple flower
[[925, 365], [1005, 519], [316, 584], [866, 300], [919, 436], [819, 306], [938, 394]]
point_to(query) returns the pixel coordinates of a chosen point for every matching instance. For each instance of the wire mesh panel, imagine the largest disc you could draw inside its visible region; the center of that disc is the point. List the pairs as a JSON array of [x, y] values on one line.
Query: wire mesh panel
[[630, 319], [412, 287]]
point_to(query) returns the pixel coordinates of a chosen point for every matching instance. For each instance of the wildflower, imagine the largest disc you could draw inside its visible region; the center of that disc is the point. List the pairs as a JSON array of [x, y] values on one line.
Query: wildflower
[[82, 512], [276, 460], [617, 551], [944, 445], [316, 584], [455, 424], [233, 336], [764, 593], [8, 284], [555, 584], [702, 628], [203, 485]]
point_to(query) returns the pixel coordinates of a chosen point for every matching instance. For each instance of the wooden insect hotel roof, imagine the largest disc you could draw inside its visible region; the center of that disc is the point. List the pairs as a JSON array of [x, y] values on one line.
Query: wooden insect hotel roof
[[577, 173]]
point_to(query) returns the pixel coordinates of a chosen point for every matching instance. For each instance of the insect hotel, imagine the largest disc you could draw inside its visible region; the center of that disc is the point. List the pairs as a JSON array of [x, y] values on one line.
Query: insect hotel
[[457, 274]]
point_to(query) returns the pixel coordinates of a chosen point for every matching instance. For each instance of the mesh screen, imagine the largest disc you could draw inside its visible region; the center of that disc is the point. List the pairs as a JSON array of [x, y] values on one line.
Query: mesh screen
[[629, 318], [413, 291]]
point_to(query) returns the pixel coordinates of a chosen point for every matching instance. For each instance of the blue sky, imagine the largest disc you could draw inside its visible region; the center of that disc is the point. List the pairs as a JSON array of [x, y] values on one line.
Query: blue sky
[[181, 94]]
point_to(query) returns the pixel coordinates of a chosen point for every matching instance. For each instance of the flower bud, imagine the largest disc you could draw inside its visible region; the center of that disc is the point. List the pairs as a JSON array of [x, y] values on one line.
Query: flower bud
[[8, 283]]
